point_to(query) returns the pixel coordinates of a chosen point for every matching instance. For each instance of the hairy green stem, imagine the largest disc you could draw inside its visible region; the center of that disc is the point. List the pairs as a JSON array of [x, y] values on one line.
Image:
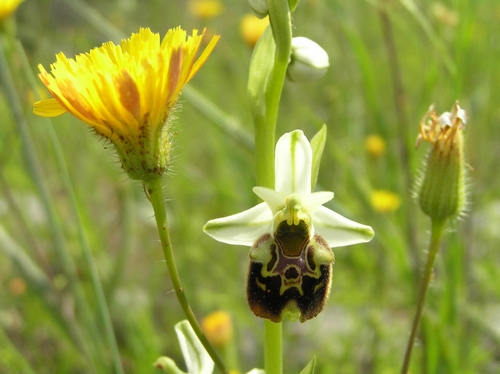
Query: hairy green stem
[[438, 227], [154, 193]]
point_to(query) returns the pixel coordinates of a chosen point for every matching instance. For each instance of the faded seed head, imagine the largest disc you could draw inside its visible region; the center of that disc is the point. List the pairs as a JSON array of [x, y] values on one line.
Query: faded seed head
[[442, 192]]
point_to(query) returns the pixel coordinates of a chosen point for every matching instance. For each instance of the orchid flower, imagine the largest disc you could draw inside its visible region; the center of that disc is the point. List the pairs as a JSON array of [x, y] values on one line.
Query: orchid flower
[[291, 234]]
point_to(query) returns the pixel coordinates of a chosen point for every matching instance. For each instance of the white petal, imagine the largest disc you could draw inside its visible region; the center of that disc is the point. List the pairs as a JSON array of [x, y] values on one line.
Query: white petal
[[339, 231], [242, 228], [197, 359], [293, 164], [274, 199], [313, 201]]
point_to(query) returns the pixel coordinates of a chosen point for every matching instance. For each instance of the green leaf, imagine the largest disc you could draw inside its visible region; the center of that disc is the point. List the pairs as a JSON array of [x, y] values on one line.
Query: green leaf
[[309, 369], [317, 145], [293, 4], [261, 66], [197, 359]]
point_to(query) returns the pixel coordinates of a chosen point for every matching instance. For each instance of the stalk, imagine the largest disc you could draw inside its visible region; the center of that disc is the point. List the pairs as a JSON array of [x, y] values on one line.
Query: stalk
[[438, 227], [154, 193]]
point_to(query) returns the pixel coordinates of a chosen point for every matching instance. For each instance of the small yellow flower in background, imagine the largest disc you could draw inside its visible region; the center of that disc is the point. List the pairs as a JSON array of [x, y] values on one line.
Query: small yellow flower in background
[[251, 28], [442, 192], [205, 9], [384, 201], [444, 15], [17, 286], [218, 327], [7, 7], [375, 145], [127, 92]]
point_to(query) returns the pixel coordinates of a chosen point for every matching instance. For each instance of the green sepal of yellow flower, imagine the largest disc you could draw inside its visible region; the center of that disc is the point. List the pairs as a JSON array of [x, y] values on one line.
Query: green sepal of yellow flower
[[442, 192]]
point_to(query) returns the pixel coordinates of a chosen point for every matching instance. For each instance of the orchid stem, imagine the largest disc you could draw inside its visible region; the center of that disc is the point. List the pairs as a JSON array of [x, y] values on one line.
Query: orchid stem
[[265, 129], [154, 192], [438, 227], [273, 347]]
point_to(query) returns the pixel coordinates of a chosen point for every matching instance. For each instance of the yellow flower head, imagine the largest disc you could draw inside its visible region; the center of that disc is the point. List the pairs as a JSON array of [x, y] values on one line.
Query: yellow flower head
[[375, 145], [252, 28], [7, 7], [126, 92], [205, 9], [384, 201], [218, 327]]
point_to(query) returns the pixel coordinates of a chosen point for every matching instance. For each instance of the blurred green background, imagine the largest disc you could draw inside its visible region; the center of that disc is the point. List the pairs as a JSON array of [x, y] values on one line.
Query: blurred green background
[[389, 61]]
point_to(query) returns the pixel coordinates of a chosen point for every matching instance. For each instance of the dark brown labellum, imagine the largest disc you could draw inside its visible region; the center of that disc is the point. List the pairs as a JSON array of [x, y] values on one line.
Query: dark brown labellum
[[289, 274]]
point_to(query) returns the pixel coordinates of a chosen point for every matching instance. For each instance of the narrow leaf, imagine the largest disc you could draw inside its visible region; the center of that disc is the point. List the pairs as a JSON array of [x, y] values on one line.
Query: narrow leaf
[[317, 145], [260, 67], [309, 369], [197, 359]]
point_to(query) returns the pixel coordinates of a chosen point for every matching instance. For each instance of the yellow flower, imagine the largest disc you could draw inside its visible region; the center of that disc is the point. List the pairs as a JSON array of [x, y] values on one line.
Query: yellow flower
[[252, 28], [218, 328], [375, 145], [205, 9], [17, 286], [7, 7], [126, 93], [384, 201]]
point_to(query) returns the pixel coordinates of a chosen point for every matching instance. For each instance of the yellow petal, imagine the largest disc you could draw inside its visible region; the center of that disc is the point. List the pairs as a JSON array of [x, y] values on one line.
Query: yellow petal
[[48, 108]]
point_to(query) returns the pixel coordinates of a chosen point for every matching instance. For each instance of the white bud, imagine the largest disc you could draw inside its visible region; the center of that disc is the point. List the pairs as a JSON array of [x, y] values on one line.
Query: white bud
[[259, 7], [308, 61]]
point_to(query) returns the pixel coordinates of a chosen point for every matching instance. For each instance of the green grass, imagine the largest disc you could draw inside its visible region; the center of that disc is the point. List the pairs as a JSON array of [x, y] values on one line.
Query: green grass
[[367, 320]]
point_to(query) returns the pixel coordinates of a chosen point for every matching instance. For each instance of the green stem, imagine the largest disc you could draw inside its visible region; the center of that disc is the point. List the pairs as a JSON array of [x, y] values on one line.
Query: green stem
[[153, 190], [265, 129], [438, 227], [273, 347]]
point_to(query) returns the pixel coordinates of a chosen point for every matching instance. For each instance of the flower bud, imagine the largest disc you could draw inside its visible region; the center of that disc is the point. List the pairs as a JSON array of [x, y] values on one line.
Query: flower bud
[[259, 7], [308, 61], [166, 364], [442, 190]]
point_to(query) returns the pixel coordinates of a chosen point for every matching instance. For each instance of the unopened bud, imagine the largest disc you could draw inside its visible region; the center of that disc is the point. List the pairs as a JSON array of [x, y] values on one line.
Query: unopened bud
[[308, 61], [259, 7], [442, 191], [167, 365]]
